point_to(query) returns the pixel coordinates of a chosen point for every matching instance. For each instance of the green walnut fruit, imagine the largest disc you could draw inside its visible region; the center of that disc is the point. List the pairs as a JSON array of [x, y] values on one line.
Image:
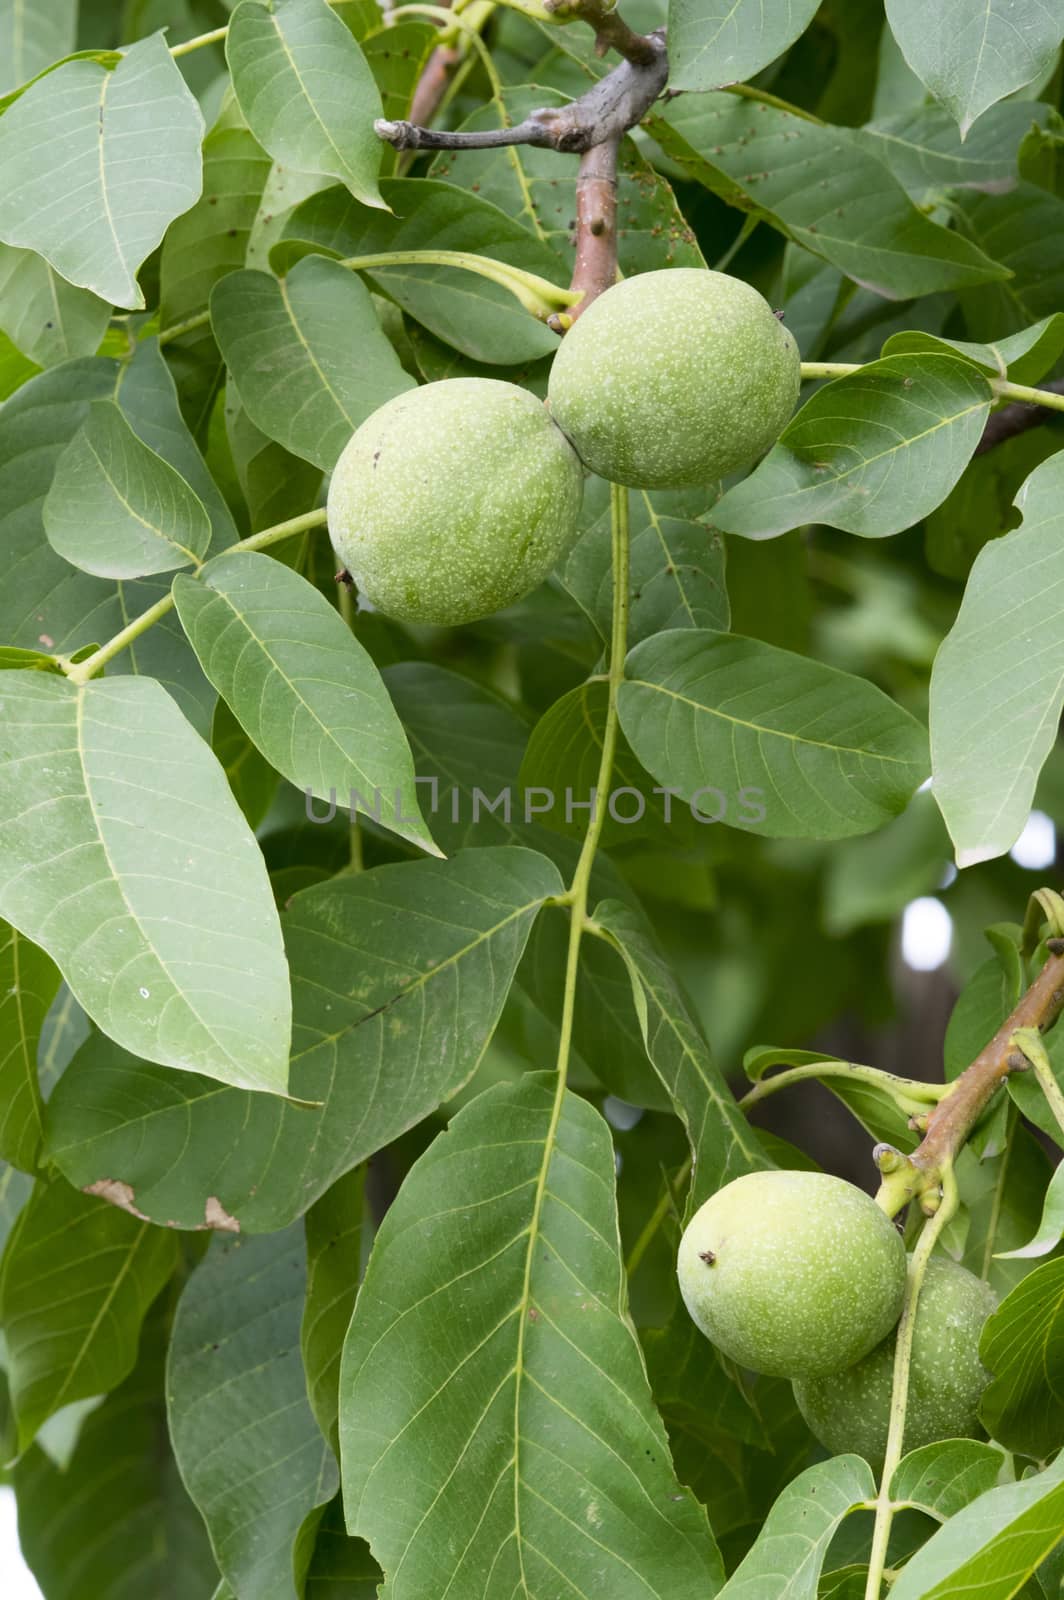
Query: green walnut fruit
[[673, 379], [454, 500], [797, 1274], [850, 1411]]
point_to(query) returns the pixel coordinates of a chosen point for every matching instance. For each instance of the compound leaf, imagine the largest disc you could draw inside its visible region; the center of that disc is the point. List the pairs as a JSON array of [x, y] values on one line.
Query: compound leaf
[[553, 1460]]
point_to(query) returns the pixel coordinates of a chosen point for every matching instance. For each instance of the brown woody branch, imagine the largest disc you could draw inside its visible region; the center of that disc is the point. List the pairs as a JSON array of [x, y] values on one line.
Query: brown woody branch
[[951, 1121], [1015, 419], [592, 126], [595, 269], [611, 30], [608, 109]]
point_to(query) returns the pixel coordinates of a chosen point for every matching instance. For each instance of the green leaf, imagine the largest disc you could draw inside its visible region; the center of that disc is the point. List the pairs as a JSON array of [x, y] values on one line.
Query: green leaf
[[531, 185], [478, 317], [32, 36], [768, 741], [1050, 1229], [307, 354], [676, 564], [46, 602], [399, 975], [116, 1521], [204, 244], [307, 93], [302, 687], [15, 1189], [250, 1452], [339, 1231], [49, 319], [1023, 1346], [1025, 227], [276, 484], [996, 688], [341, 1568], [1023, 357], [526, 1444], [923, 148], [712, 42], [15, 369], [978, 50], [722, 1144], [872, 452], [141, 925], [788, 1554], [79, 1276], [253, 781], [118, 510], [397, 56], [98, 163], [29, 981], [945, 1477], [1002, 1196], [819, 187], [992, 1546]]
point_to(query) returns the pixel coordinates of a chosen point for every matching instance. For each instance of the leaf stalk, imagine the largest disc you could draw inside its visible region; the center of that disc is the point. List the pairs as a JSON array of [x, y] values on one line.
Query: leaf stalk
[[899, 1400], [81, 671]]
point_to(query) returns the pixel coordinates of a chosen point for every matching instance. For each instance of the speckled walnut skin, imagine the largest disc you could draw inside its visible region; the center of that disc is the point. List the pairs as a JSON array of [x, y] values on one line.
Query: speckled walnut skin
[[453, 500], [796, 1274], [673, 379], [851, 1410]]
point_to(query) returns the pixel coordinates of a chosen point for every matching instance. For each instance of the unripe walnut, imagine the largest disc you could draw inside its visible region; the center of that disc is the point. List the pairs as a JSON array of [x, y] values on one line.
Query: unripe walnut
[[454, 500], [673, 379], [850, 1411], [792, 1273]]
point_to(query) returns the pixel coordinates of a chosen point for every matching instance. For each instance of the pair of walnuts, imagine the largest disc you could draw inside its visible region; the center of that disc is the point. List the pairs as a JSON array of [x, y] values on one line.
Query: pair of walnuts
[[457, 498], [801, 1275]]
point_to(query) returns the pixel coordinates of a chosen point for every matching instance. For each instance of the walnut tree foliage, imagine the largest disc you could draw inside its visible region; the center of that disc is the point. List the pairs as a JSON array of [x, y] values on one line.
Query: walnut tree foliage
[[375, 1000]]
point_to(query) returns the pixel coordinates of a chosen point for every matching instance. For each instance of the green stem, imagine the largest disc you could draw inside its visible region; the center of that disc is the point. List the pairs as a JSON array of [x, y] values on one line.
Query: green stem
[[536, 294], [908, 1093], [576, 896], [190, 324], [215, 36], [1007, 391], [1031, 397], [763, 97], [80, 672], [899, 1399], [829, 369], [1029, 1041]]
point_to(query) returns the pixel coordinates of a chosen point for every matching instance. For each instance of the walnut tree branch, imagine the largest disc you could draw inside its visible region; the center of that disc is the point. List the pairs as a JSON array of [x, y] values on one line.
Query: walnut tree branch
[[954, 1117], [610, 107], [611, 30]]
